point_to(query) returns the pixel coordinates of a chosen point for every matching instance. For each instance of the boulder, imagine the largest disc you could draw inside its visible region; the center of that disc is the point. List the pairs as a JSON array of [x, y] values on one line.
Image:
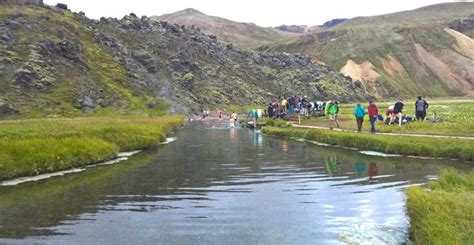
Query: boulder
[[62, 6], [6, 109]]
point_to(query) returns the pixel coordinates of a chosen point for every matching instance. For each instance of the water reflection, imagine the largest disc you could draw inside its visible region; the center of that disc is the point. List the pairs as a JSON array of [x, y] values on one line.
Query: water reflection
[[214, 186], [256, 138], [333, 165], [373, 171], [360, 169], [233, 134]]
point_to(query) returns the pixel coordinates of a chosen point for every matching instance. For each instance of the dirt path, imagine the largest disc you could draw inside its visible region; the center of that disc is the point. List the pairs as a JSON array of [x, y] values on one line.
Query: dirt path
[[392, 134]]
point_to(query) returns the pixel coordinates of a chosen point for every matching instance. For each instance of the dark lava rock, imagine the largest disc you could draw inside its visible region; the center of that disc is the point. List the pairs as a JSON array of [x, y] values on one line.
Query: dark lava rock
[[62, 6], [7, 110], [32, 80]]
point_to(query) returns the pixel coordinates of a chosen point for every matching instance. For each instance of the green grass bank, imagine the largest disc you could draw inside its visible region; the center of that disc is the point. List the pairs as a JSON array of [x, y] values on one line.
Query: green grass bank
[[457, 117], [443, 213], [415, 146], [31, 147]]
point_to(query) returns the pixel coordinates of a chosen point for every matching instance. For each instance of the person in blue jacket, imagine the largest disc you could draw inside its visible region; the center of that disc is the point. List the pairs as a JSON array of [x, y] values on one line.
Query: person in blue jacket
[[359, 113]]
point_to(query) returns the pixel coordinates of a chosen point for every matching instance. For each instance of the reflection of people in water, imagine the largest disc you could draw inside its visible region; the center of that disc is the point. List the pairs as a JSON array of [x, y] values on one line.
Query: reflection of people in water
[[285, 146], [256, 138], [360, 169], [332, 165], [373, 171], [232, 133]]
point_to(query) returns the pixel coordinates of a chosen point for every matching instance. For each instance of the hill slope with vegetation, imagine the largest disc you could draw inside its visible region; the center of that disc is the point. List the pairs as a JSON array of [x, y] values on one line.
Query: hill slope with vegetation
[[244, 35], [56, 62], [427, 51]]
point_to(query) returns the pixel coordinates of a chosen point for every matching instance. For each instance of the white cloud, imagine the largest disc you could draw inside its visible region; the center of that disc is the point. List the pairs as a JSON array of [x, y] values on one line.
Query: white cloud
[[261, 12]]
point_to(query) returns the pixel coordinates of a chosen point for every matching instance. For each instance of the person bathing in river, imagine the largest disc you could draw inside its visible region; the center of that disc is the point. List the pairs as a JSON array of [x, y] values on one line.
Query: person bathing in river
[[232, 121], [421, 105], [373, 115], [359, 113], [234, 116]]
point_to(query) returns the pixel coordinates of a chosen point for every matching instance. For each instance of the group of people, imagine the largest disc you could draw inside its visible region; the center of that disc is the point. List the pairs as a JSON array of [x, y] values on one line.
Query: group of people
[[394, 113], [360, 112], [294, 104]]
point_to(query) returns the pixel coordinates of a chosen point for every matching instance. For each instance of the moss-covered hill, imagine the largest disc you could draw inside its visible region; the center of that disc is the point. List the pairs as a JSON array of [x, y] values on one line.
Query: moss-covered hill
[[55, 62], [427, 51]]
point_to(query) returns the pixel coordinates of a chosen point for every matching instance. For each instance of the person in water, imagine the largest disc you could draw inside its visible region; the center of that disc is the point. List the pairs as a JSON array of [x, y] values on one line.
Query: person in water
[[373, 115], [420, 106], [219, 115], [232, 122], [234, 116], [359, 113]]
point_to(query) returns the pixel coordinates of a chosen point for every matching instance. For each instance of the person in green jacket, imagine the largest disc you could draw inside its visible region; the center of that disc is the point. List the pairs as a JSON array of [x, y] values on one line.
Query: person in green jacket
[[359, 113], [332, 109]]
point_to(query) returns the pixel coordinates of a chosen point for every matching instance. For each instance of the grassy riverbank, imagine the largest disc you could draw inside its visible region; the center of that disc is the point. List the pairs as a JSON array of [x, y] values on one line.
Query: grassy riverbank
[[443, 213], [457, 117], [416, 146], [31, 147]]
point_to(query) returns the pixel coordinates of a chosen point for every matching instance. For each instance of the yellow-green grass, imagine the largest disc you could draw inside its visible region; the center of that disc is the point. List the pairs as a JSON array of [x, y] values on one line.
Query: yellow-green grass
[[30, 147], [443, 213], [458, 118], [413, 146]]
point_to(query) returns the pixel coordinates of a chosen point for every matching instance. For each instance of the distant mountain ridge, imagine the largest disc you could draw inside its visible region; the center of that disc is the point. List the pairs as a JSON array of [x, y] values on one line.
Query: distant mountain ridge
[[427, 51], [244, 35]]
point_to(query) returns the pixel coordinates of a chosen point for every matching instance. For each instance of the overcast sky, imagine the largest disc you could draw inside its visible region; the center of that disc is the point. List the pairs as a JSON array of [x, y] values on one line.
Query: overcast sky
[[260, 12]]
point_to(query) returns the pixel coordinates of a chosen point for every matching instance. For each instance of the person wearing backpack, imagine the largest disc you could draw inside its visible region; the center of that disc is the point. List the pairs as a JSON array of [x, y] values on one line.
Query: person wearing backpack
[[421, 105], [359, 113], [373, 115]]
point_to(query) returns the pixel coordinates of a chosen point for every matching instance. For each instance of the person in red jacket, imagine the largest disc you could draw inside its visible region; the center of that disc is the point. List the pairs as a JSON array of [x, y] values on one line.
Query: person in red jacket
[[373, 115]]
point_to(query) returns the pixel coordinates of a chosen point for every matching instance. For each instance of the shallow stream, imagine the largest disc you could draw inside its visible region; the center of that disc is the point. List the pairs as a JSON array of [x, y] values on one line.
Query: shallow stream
[[222, 186]]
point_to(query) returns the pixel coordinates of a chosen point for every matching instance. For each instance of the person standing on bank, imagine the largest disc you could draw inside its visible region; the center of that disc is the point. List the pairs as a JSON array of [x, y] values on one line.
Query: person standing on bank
[[421, 105], [359, 113], [331, 112], [373, 115]]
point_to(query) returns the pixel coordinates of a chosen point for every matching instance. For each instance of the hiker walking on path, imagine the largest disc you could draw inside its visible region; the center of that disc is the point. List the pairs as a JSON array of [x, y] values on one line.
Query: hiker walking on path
[[359, 113], [373, 115], [331, 111], [398, 110], [421, 105]]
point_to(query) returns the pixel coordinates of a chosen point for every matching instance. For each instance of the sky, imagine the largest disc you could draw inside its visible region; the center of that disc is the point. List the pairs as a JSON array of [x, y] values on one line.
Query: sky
[[260, 12]]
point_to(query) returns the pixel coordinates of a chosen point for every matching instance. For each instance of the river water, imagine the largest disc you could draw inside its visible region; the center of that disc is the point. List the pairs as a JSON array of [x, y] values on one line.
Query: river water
[[216, 185]]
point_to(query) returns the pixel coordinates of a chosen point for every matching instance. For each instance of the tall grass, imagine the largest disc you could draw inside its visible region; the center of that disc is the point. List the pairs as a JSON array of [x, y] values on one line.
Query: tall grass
[[417, 146], [29, 147], [443, 213]]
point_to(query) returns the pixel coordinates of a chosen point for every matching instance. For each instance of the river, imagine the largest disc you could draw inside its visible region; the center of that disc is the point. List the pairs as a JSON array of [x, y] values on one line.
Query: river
[[216, 185]]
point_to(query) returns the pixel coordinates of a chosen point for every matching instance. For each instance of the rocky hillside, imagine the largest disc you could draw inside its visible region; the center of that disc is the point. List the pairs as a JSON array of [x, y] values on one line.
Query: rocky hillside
[[427, 51], [55, 62], [244, 35]]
